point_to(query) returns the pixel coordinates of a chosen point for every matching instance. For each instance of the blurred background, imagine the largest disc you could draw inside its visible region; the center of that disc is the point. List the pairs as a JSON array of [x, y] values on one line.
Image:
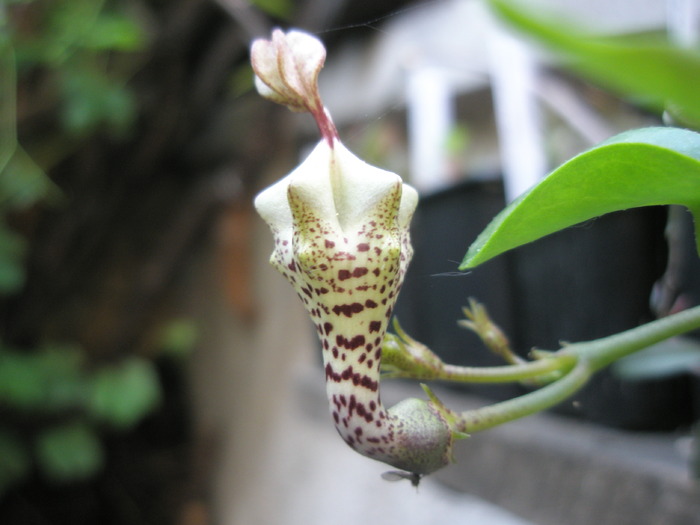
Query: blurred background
[[154, 369]]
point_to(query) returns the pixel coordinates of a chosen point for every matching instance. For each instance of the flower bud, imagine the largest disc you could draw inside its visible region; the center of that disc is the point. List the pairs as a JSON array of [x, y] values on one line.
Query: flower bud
[[286, 68]]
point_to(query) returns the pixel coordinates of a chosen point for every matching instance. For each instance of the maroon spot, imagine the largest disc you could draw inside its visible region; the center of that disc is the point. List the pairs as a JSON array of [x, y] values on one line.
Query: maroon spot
[[374, 326], [343, 401], [344, 274], [362, 247], [321, 291], [370, 363], [362, 288], [346, 374], [325, 344], [329, 244], [323, 267], [362, 358], [327, 327], [350, 344], [369, 346], [376, 272], [336, 418], [348, 309], [369, 303], [335, 352], [359, 272], [368, 383], [331, 374], [381, 290], [358, 431], [292, 266], [307, 291], [372, 406]]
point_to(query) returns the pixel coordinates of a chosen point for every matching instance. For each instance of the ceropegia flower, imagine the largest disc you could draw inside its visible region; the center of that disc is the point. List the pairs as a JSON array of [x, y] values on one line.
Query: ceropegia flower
[[341, 231]]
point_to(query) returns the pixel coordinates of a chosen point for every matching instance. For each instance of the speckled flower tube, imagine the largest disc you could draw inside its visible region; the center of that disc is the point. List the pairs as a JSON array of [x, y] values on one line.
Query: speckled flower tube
[[341, 233]]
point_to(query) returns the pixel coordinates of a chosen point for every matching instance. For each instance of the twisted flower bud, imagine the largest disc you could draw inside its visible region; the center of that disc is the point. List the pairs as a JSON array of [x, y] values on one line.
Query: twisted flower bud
[[341, 231]]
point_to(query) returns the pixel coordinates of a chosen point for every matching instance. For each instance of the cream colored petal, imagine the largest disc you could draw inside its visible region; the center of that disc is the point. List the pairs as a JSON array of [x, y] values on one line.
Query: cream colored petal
[[301, 61], [409, 201], [358, 187]]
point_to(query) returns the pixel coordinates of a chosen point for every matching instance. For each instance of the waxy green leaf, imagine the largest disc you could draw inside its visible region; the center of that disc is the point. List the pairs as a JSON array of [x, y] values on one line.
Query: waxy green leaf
[[643, 167]]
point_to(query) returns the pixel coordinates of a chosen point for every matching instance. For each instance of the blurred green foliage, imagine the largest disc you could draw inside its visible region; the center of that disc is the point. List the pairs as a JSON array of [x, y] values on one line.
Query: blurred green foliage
[[51, 396], [55, 404], [277, 8], [648, 68], [69, 451], [122, 394]]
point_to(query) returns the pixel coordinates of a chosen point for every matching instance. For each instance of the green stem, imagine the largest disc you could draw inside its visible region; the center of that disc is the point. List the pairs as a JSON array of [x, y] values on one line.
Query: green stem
[[601, 352], [525, 405], [505, 374], [591, 357]]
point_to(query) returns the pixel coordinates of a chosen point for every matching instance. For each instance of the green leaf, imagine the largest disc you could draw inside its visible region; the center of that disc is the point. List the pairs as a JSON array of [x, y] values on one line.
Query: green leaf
[[279, 8], [8, 102], [648, 68], [672, 357], [14, 460], [64, 378], [48, 380], [643, 167], [114, 31], [178, 338], [12, 250], [21, 386], [23, 182], [123, 394], [91, 99], [69, 452]]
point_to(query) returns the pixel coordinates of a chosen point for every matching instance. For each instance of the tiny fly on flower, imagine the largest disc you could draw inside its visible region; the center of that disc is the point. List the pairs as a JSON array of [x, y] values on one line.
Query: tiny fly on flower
[[398, 475]]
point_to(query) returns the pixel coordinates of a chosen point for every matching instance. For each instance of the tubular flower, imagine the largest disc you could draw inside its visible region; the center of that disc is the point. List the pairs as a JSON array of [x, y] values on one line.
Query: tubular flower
[[341, 233]]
